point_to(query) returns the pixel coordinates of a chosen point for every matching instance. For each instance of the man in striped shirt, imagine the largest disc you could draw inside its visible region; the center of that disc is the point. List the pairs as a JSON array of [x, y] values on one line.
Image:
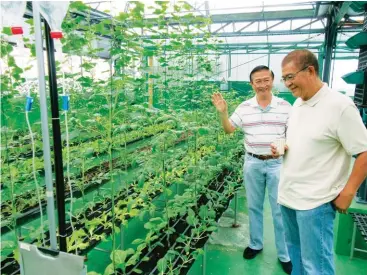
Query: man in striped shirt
[[263, 119]]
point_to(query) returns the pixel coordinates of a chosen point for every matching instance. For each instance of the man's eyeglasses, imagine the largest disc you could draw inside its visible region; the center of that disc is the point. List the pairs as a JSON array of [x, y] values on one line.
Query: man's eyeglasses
[[291, 77]]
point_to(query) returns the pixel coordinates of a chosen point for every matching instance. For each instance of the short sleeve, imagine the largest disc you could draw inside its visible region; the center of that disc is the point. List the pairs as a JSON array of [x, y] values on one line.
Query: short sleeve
[[351, 131], [235, 118]]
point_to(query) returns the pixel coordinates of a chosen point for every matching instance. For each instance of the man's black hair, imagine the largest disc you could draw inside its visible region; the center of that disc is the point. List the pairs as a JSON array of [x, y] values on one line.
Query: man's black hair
[[260, 68]]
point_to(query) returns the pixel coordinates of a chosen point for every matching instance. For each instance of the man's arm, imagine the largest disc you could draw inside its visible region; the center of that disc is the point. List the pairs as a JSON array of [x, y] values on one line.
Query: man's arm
[[221, 106], [353, 136], [227, 125], [356, 178]]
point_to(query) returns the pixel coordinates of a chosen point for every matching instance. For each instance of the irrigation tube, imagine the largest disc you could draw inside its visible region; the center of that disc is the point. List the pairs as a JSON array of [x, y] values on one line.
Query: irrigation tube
[[35, 176], [68, 172], [44, 123]]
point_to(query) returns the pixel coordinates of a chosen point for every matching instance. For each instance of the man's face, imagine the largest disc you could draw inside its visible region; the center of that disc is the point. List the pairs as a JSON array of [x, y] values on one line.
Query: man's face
[[295, 79], [262, 82]]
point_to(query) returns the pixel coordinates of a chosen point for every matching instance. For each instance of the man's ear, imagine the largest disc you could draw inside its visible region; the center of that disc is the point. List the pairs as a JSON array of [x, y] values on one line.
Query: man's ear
[[312, 70]]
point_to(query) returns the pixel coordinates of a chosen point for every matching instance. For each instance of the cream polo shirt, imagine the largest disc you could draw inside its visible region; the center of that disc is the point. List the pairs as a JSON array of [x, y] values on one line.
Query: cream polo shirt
[[322, 135]]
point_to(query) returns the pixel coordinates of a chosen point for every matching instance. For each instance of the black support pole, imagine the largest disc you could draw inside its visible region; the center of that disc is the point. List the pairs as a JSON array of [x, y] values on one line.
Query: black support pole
[[330, 41], [59, 172]]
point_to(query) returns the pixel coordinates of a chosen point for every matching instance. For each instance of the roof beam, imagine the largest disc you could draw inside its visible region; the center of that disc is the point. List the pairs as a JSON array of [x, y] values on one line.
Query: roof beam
[[263, 16], [264, 45], [307, 24], [221, 28], [237, 34], [270, 33], [246, 17], [277, 24], [248, 25]]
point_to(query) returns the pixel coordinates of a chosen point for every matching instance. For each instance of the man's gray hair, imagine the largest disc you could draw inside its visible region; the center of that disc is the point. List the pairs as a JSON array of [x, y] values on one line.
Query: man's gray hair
[[302, 59]]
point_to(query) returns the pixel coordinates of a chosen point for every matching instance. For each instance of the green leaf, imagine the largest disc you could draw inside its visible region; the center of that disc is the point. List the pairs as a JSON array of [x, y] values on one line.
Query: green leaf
[[78, 5], [154, 76], [16, 254], [191, 219], [203, 131], [137, 271], [30, 21], [168, 192], [191, 213], [130, 251], [211, 228], [141, 247], [187, 6], [6, 244], [203, 212], [120, 256], [148, 41], [88, 66], [5, 48], [162, 265], [133, 259], [122, 16], [85, 81], [149, 225], [138, 241], [212, 214], [117, 229], [156, 219], [7, 30], [213, 161], [109, 270], [147, 52], [180, 240]]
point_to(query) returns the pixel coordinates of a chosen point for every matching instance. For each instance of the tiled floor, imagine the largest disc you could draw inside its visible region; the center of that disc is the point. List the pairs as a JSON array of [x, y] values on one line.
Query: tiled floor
[[226, 257]]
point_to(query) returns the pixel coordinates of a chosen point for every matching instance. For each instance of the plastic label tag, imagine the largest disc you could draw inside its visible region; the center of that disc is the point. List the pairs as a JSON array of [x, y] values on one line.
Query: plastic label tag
[[16, 30], [56, 34]]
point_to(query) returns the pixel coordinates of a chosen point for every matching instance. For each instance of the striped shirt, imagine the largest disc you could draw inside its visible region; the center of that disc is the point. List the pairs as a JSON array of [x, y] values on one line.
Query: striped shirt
[[262, 126]]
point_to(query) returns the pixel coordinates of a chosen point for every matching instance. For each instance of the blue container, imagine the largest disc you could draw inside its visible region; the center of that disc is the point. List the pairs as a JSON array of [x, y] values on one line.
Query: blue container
[[65, 102], [28, 104]]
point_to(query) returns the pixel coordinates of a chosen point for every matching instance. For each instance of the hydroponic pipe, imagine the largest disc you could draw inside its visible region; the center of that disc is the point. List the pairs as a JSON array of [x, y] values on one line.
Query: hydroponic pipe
[[59, 172], [44, 123]]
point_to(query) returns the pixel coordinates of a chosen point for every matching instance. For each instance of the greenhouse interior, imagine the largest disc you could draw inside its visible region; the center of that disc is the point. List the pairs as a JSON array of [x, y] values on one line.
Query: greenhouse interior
[[119, 153]]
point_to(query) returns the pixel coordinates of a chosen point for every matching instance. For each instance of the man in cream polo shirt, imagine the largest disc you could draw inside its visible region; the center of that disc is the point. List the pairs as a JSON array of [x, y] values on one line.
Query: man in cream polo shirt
[[324, 131]]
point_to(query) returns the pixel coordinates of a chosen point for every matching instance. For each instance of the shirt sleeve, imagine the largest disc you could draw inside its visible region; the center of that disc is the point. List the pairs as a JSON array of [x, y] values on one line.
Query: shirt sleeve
[[351, 132], [235, 119]]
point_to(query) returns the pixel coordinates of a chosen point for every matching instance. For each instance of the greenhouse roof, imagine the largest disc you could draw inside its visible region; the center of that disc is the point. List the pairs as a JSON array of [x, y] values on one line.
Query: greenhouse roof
[[232, 19], [255, 26]]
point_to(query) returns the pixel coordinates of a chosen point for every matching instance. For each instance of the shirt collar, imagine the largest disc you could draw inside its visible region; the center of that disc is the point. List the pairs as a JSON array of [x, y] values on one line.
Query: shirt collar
[[273, 104], [316, 98]]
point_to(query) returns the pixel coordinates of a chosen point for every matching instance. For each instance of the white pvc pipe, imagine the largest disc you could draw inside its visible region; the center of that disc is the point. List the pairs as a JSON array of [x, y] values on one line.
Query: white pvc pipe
[[44, 123]]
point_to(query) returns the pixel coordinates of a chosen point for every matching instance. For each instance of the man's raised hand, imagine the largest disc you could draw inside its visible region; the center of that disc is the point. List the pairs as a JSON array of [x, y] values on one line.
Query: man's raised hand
[[219, 103]]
